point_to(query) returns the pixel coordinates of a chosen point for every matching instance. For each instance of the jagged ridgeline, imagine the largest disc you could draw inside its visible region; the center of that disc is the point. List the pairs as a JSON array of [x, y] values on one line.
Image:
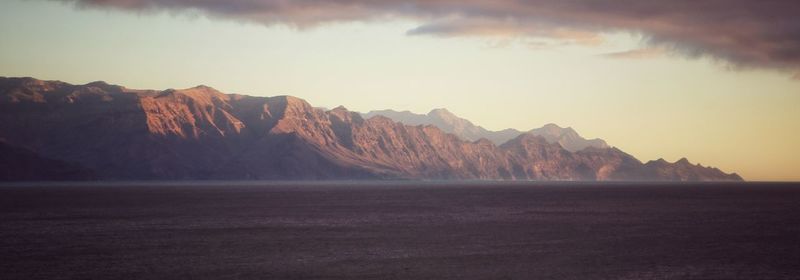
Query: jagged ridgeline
[[568, 138], [59, 131]]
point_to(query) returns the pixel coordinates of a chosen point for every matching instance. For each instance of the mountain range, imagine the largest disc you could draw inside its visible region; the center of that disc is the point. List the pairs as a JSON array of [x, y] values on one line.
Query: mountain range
[[568, 138], [51, 130]]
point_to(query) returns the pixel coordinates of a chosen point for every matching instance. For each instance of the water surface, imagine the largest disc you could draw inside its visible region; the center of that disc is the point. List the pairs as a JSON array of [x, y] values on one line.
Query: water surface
[[408, 230]]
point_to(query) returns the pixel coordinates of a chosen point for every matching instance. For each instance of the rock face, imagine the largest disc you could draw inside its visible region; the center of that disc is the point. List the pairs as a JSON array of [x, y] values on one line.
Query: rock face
[[116, 133], [566, 137]]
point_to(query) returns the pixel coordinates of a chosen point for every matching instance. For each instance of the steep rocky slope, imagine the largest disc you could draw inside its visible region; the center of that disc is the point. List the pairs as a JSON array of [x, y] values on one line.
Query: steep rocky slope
[[200, 133]]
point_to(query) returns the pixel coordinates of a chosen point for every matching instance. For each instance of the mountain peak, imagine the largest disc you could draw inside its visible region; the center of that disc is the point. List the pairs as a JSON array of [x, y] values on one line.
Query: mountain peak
[[440, 111], [549, 131], [567, 137], [196, 90], [201, 94], [345, 115], [290, 105], [203, 87], [290, 100], [551, 126], [98, 83], [445, 115], [105, 86]]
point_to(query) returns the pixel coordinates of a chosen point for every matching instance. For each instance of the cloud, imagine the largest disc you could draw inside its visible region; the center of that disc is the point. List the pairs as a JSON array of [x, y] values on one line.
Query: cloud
[[743, 33], [637, 53], [505, 29]]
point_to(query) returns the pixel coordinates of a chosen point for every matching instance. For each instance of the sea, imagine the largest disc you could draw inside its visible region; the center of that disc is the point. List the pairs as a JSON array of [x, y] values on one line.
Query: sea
[[399, 230]]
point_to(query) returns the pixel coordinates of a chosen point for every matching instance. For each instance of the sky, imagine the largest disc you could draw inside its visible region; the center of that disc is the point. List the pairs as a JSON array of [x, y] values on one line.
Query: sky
[[717, 82]]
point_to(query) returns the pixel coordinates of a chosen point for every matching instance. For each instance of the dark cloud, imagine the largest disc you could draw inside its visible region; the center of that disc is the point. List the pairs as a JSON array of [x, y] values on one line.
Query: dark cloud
[[743, 33]]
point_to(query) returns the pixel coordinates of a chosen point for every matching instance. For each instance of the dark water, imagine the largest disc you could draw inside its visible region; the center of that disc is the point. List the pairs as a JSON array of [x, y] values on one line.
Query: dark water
[[394, 231]]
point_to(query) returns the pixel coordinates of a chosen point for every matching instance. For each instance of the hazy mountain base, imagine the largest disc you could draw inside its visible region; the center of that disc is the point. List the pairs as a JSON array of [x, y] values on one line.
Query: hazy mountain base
[[200, 133], [18, 164]]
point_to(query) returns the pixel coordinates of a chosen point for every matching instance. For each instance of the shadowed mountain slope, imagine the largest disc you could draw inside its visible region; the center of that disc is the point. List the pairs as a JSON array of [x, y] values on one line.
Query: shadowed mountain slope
[[19, 164]]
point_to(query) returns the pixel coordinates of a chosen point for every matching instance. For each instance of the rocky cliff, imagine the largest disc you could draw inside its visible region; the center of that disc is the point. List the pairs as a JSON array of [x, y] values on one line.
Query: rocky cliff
[[117, 133]]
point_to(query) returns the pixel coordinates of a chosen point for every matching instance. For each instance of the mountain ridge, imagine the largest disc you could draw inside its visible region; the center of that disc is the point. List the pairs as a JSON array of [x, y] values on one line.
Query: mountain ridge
[[200, 133], [567, 137]]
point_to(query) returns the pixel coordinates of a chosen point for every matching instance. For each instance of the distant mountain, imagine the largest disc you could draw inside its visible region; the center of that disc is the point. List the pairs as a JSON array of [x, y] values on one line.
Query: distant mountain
[[116, 133], [683, 170], [448, 122], [566, 137]]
